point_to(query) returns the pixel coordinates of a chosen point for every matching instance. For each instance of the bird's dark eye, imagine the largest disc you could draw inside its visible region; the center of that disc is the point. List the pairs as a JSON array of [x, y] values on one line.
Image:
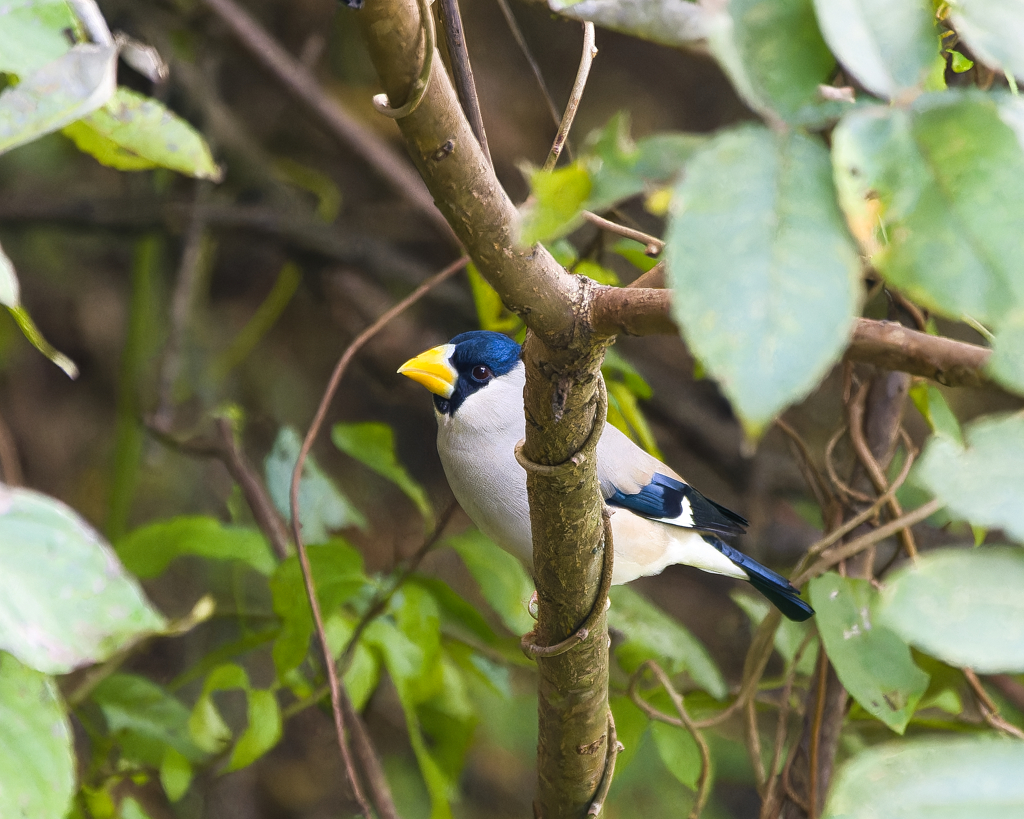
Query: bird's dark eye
[[481, 372]]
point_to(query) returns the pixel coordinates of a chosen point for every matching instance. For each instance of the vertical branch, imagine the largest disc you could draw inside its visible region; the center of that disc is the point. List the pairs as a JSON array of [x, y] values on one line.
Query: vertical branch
[[586, 60]]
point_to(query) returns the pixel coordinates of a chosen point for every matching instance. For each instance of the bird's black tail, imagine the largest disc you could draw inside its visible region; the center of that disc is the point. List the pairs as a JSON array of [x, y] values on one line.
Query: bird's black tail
[[779, 591]]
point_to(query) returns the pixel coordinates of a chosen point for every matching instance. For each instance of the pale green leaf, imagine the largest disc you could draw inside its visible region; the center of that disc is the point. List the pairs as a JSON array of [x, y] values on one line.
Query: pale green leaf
[[888, 45], [964, 607], [175, 774], [322, 506], [37, 763], [65, 600], [935, 778], [134, 132], [775, 57], [934, 192], [148, 551], [1007, 362], [32, 34], [994, 30], [555, 205], [503, 581], [872, 662], [984, 482], [373, 445], [58, 93], [669, 22], [35, 338], [262, 733], [763, 270], [678, 751], [649, 633]]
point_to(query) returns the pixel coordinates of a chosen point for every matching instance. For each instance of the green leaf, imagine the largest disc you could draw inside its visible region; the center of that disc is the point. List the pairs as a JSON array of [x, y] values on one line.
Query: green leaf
[[158, 721], [322, 507], [789, 636], [984, 482], [32, 34], [1007, 362], [765, 275], [964, 607], [872, 662], [134, 132], [503, 581], [65, 600], [206, 726], [934, 192], [775, 57], [131, 809], [554, 207], [932, 405], [149, 550], [651, 634], [455, 611], [888, 45], [994, 30], [57, 94], [175, 774], [373, 445], [262, 733], [337, 571], [678, 751], [668, 22], [37, 763], [491, 312], [630, 724], [35, 338], [977, 777]]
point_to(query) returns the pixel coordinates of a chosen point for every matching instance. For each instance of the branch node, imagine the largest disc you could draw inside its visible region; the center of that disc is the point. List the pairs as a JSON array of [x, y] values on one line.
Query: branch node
[[382, 103]]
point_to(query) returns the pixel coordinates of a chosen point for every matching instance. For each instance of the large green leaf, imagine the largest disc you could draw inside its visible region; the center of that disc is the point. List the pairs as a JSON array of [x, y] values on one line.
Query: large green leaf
[[649, 633], [994, 30], [935, 194], [763, 272], [32, 33], [975, 777], [775, 56], [65, 600], [37, 763], [1007, 362], [134, 132], [373, 445], [872, 662], [964, 607], [148, 551], [888, 45], [983, 482], [322, 506], [503, 581], [58, 93], [678, 751], [669, 22]]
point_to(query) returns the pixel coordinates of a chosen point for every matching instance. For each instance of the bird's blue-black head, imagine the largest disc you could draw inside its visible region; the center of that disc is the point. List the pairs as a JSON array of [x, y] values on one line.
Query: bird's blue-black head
[[466, 364]]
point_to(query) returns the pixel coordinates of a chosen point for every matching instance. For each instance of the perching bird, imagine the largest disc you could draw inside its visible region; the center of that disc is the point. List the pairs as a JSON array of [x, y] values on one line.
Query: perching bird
[[657, 519]]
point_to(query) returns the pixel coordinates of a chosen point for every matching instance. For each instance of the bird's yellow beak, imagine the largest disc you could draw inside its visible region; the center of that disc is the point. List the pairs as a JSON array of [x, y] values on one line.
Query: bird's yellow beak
[[432, 370]]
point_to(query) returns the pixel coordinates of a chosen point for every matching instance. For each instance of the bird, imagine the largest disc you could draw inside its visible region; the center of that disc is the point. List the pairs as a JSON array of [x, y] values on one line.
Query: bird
[[657, 519]]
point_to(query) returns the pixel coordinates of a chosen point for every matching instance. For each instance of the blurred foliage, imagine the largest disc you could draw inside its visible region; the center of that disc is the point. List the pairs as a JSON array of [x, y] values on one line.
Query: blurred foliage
[[766, 227]]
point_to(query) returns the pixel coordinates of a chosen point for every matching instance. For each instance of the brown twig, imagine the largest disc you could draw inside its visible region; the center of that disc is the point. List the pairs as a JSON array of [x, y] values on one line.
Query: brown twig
[[612, 750], [871, 467], [684, 721], [369, 762], [517, 35], [182, 301], [586, 60], [462, 71], [652, 244], [10, 463], [989, 710], [816, 723], [812, 475], [754, 744], [307, 576], [304, 87]]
